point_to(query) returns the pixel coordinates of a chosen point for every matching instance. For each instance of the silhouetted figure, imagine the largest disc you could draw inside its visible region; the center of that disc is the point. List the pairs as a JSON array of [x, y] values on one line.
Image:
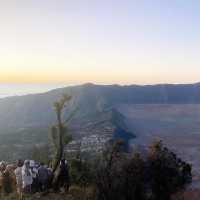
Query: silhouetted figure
[[43, 177], [34, 173], [63, 178]]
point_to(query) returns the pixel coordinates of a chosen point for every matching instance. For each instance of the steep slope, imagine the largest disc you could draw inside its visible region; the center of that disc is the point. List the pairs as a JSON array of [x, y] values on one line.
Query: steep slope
[[25, 120], [36, 110]]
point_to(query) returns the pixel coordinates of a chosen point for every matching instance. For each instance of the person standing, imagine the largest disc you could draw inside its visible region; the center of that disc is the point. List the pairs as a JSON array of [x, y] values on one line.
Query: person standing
[[2, 170], [34, 173], [63, 176], [27, 179], [43, 177], [18, 175]]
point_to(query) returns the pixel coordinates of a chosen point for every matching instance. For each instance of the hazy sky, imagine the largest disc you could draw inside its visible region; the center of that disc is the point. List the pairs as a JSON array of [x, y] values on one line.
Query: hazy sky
[[102, 41]]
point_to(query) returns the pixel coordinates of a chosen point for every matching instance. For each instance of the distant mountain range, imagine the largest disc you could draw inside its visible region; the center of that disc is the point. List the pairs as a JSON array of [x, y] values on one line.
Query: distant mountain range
[[36, 110], [104, 112]]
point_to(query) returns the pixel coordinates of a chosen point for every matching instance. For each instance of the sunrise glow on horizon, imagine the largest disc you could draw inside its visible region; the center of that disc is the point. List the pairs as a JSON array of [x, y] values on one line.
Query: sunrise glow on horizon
[[106, 42]]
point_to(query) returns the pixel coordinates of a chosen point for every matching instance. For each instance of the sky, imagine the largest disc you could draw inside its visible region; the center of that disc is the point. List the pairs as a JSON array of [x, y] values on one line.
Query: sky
[[99, 41]]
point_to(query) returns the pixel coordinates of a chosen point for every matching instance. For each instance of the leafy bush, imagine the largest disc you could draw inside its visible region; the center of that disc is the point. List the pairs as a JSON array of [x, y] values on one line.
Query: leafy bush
[[118, 175], [168, 174], [121, 176]]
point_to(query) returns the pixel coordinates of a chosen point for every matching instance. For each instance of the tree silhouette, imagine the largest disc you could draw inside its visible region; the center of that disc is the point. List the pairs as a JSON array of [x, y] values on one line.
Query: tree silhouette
[[59, 133]]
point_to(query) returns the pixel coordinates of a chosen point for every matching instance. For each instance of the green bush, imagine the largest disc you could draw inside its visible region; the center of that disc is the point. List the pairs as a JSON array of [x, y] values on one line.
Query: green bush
[[156, 176]]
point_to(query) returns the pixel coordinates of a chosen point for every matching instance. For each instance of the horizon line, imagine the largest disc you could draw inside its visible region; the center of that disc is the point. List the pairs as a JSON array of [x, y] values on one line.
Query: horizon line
[[21, 94]]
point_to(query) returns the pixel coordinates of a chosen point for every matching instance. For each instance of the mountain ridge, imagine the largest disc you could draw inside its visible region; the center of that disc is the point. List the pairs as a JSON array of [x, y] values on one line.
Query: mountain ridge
[[94, 102]]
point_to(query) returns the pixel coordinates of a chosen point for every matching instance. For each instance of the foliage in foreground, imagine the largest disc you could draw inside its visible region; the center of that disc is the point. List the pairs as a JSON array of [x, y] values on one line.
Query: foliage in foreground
[[154, 177], [117, 175]]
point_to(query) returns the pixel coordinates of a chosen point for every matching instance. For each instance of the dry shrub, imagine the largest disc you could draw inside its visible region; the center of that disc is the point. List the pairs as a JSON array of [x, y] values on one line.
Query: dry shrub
[[80, 193], [76, 192]]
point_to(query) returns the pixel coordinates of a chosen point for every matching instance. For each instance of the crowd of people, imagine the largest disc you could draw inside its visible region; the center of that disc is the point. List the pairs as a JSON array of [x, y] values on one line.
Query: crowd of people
[[30, 176]]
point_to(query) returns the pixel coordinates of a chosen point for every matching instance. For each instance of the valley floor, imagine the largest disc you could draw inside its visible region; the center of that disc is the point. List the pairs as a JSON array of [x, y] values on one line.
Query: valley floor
[[177, 125]]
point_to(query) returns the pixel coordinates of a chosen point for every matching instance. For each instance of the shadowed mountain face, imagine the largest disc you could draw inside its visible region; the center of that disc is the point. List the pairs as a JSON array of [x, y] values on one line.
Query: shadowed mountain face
[[171, 112], [36, 110], [178, 125]]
